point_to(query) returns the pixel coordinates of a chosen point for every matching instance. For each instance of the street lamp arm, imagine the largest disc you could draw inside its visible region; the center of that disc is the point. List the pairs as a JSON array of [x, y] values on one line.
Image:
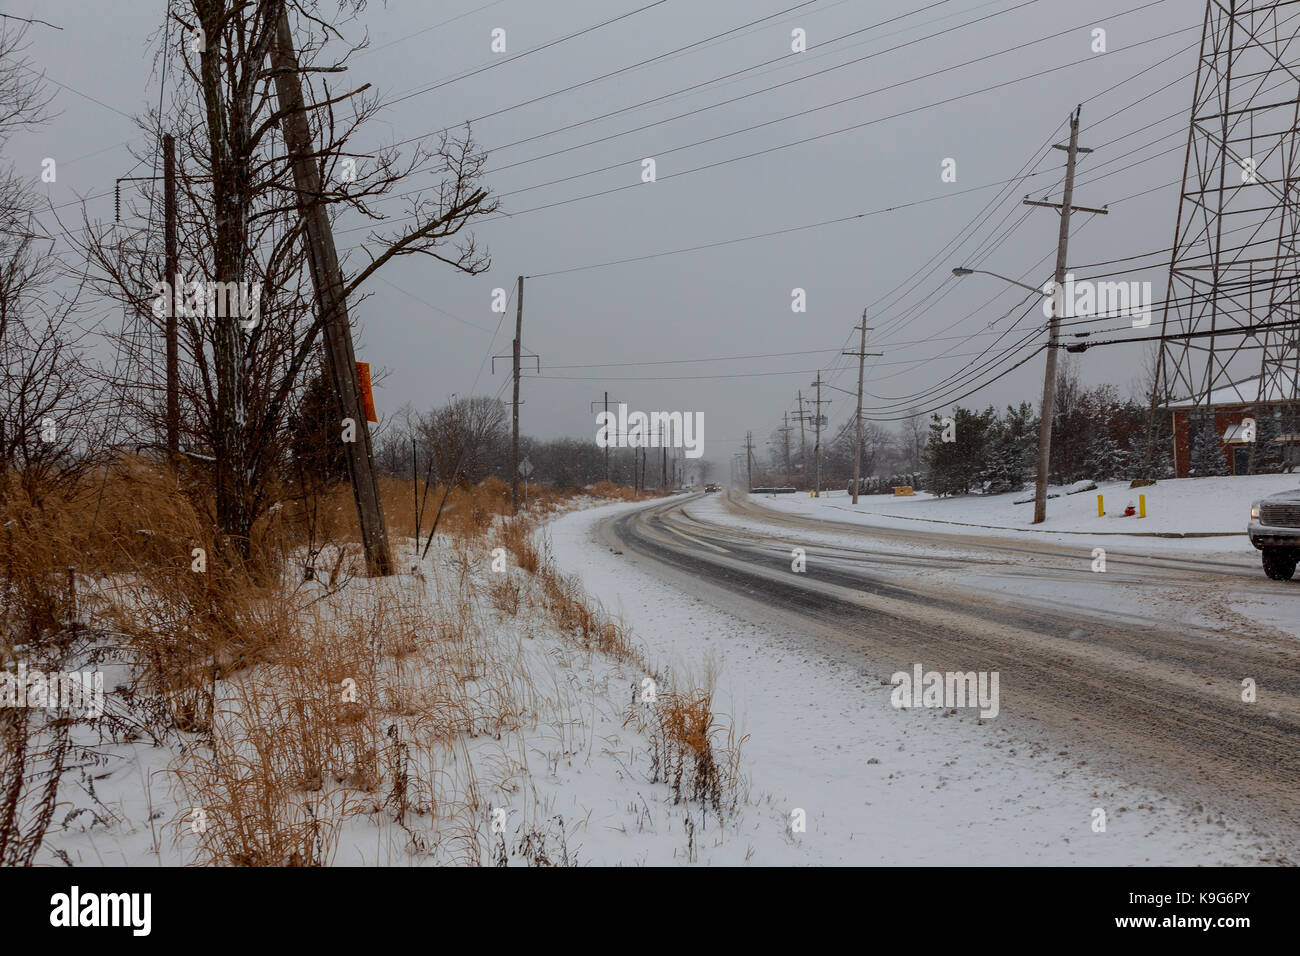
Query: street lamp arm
[[961, 271]]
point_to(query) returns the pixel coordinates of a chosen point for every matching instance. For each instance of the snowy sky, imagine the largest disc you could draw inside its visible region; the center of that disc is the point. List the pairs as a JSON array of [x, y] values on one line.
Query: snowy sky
[[432, 329]]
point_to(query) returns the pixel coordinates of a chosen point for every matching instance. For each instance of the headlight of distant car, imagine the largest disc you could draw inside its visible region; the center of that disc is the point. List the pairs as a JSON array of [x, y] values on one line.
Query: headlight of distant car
[[1254, 511]]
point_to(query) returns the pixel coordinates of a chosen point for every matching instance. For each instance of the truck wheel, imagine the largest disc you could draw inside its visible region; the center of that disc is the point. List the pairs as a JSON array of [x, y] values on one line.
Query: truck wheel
[[1279, 563]]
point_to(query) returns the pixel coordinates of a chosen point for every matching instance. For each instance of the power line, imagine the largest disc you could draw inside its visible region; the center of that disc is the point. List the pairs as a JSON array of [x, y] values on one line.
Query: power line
[[519, 56], [781, 146], [798, 79]]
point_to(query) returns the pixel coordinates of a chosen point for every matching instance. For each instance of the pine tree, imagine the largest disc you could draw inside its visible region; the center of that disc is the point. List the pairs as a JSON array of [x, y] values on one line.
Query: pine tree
[[957, 465], [314, 434], [1206, 457], [941, 461], [1105, 460], [1267, 458], [1011, 442]]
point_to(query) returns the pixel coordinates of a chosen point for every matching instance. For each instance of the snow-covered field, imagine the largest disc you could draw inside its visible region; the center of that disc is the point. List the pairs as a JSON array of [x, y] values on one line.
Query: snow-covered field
[[1215, 507], [880, 785]]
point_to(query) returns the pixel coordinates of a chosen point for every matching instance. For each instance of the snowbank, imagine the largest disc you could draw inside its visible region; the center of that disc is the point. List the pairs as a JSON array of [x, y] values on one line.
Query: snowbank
[[1208, 513]]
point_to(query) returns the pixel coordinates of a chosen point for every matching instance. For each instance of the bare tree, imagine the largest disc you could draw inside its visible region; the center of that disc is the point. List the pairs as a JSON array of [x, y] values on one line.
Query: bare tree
[[46, 410], [43, 410], [915, 433], [465, 439], [241, 223]]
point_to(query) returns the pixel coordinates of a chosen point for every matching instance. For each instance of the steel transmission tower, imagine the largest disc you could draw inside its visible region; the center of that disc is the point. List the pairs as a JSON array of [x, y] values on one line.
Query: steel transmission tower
[[1234, 262]]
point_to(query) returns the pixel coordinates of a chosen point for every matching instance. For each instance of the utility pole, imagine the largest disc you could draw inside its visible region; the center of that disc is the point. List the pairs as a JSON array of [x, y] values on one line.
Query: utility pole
[[515, 355], [172, 266], [817, 441], [514, 439], [1049, 378], [862, 354], [593, 408], [749, 461], [785, 444], [663, 451], [803, 441], [327, 280]]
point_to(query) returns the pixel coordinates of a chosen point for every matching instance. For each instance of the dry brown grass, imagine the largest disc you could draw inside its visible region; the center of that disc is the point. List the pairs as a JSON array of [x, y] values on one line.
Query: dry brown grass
[[305, 697], [695, 750]]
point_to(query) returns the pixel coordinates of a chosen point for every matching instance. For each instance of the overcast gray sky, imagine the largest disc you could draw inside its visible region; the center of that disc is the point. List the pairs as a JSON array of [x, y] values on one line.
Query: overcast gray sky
[[432, 328]]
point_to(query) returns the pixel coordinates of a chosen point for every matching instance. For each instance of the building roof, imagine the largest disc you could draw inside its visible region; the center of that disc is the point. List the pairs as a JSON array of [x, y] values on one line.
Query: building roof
[[1245, 392]]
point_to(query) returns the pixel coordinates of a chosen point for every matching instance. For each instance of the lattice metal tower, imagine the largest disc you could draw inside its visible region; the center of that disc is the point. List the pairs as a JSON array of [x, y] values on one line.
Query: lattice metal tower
[[1234, 263]]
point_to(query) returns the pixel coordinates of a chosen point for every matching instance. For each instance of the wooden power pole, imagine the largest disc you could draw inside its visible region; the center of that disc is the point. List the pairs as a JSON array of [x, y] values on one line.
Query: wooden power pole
[[1058, 300], [172, 267], [514, 438], [803, 440], [817, 439], [327, 280], [862, 354], [593, 408], [663, 452]]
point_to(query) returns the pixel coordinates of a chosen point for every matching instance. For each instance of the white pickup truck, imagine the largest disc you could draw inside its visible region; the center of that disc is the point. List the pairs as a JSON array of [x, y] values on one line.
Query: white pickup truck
[[1275, 529]]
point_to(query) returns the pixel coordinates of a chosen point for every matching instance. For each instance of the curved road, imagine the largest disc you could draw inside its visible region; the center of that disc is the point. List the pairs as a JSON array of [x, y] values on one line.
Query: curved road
[[1152, 700]]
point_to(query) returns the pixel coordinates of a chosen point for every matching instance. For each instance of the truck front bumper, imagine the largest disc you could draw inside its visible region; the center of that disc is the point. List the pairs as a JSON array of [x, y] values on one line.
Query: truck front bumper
[[1273, 536]]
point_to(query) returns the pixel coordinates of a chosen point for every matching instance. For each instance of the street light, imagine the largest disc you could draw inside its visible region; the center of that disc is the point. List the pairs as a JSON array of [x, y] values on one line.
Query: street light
[[963, 271], [1049, 385]]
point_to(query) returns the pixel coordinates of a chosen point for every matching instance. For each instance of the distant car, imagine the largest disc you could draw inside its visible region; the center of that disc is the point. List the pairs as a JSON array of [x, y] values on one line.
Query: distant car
[[711, 486], [1275, 529]]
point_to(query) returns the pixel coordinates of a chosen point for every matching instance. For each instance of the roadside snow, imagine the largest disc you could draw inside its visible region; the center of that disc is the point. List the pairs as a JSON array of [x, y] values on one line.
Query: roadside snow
[[1186, 506], [569, 784]]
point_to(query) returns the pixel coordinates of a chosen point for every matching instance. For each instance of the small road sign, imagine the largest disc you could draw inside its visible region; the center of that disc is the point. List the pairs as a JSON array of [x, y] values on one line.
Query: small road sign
[[525, 468]]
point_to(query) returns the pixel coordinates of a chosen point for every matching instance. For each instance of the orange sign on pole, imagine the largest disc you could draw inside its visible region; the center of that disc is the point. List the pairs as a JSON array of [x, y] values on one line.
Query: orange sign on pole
[[366, 394]]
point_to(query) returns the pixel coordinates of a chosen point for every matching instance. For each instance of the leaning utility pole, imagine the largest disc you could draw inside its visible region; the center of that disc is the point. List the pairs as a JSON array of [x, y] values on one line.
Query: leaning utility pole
[[514, 439], [172, 267], [331, 303], [862, 354], [1058, 298]]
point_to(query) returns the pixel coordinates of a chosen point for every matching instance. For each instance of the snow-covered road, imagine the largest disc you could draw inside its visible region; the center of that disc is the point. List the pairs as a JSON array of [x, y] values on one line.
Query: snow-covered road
[[1096, 719]]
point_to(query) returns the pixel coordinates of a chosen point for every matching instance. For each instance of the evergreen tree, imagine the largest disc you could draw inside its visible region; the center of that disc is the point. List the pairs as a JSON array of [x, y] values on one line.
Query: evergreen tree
[[940, 460], [1266, 456], [957, 465], [1105, 460], [315, 431], [1206, 454]]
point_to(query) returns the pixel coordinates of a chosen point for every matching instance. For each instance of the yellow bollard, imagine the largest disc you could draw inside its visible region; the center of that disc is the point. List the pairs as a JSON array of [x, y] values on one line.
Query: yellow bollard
[[810, 494], [1101, 511], [1142, 506]]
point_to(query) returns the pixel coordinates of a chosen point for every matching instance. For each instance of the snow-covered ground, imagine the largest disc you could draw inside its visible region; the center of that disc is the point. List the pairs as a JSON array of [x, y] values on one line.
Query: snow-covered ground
[[1216, 508], [877, 785], [881, 785], [567, 783]]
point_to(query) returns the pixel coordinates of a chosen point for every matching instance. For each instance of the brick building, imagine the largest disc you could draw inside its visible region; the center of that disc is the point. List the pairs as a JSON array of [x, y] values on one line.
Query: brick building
[[1230, 406]]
